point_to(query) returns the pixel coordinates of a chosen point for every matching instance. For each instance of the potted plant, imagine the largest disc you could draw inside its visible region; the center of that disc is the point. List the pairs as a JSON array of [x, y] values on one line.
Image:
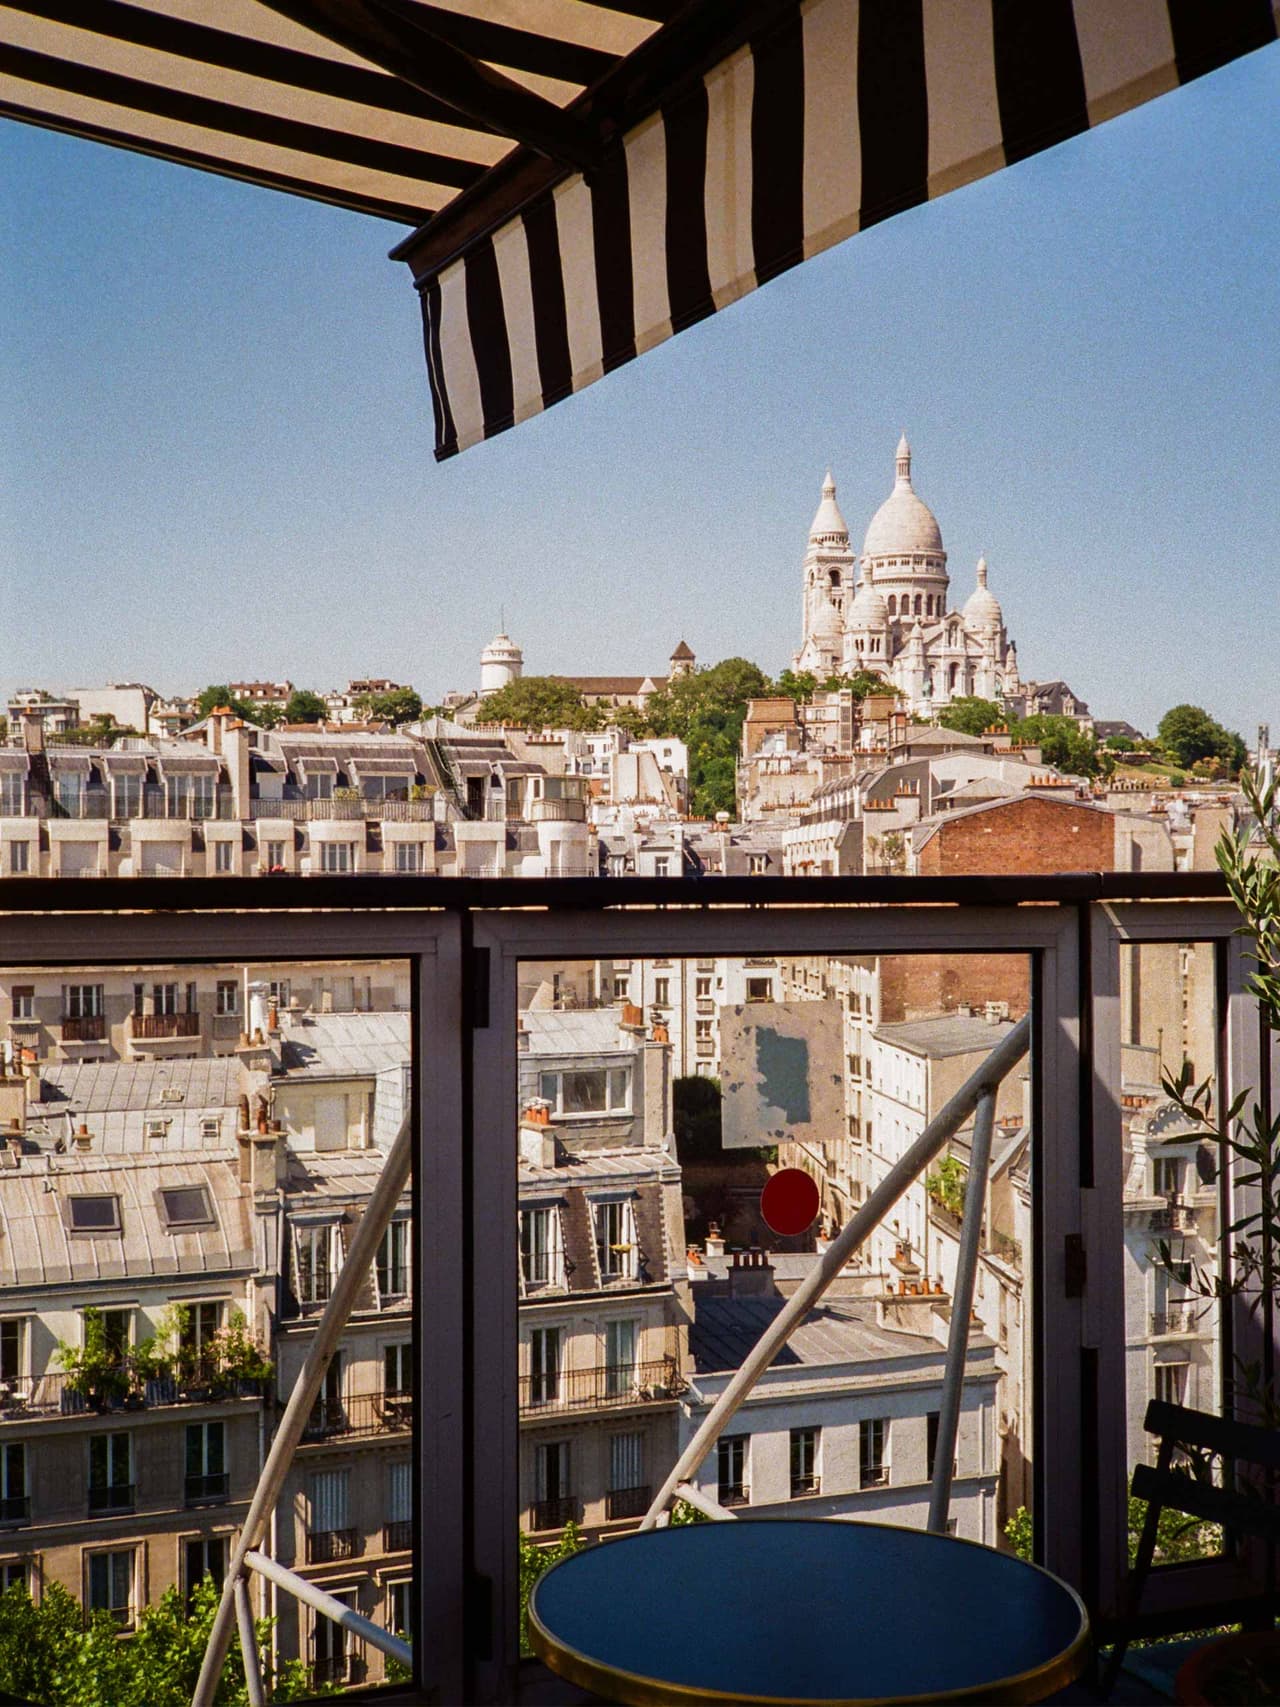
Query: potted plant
[[94, 1371], [240, 1362], [1246, 1138]]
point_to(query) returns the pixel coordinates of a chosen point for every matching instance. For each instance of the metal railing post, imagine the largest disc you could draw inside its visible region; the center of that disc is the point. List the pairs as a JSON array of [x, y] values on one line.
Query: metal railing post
[[944, 1450], [350, 1282], [330, 1607], [249, 1646], [1001, 1061]]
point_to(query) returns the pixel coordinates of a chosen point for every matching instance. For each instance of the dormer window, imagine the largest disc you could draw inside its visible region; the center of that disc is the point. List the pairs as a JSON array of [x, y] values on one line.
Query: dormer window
[[616, 1248], [93, 1213], [541, 1246]]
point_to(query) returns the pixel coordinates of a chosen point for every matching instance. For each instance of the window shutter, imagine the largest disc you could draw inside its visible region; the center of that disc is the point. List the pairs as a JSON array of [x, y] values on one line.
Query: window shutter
[[399, 1493], [329, 1500]]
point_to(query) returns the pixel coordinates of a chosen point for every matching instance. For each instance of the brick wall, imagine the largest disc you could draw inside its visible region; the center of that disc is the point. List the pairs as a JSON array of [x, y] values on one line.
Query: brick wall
[[1024, 835], [918, 986]]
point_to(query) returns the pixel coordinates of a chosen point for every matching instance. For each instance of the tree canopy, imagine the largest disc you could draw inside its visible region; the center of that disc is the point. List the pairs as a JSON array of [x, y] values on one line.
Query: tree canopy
[[396, 706], [49, 1653], [218, 693], [706, 710], [1187, 733], [304, 706], [540, 702], [968, 715], [1062, 742]]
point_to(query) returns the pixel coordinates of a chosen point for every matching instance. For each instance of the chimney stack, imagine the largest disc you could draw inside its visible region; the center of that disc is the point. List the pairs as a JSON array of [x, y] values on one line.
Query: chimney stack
[[82, 1139], [751, 1274], [32, 725], [13, 1102], [537, 1138], [715, 1240]]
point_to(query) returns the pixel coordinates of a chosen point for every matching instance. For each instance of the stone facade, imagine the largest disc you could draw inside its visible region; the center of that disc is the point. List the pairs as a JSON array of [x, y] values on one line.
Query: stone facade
[[897, 621]]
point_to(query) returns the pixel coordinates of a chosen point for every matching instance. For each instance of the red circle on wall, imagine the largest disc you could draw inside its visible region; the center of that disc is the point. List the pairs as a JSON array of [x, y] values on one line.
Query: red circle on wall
[[789, 1201]]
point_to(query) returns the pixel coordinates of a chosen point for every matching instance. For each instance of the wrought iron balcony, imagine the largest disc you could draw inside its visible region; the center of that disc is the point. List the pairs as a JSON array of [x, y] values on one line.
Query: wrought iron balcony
[[397, 1537], [627, 1502], [362, 1414], [208, 1490], [555, 1513], [1177, 1319], [326, 1545], [601, 1386], [123, 1388], [105, 1498]]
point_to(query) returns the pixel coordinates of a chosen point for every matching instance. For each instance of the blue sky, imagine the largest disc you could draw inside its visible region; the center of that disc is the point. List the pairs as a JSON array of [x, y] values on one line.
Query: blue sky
[[215, 437]]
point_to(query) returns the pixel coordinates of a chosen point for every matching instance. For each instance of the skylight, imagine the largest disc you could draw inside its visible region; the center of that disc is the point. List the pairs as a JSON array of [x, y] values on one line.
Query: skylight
[[99, 1213], [186, 1206]]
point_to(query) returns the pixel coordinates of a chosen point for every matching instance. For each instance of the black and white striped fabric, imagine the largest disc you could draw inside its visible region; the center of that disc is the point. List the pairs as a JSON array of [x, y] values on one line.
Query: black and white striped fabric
[[841, 114], [238, 88]]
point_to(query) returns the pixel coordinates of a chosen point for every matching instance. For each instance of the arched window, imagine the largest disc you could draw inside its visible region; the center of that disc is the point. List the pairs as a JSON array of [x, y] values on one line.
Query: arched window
[[834, 577], [919, 602], [951, 677]]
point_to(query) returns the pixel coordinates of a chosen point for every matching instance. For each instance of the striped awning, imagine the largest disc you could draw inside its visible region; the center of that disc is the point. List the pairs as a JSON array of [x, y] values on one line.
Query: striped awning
[[588, 177], [830, 117]]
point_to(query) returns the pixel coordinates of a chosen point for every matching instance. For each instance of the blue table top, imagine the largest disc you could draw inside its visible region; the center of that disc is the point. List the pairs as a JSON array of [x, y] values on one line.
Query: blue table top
[[796, 1610]]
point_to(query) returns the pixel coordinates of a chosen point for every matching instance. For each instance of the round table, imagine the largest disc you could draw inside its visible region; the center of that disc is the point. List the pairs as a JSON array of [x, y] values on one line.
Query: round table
[[806, 1611]]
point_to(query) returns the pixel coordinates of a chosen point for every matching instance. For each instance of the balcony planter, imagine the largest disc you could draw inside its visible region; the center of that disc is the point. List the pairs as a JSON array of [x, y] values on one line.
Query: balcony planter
[[1244, 1666]]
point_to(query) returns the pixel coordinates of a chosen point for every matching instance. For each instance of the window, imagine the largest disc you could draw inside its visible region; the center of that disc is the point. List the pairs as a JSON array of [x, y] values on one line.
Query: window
[[15, 1507], [662, 992], [24, 1001], [329, 1502], [12, 1334], [273, 856], [661, 866], [117, 1332], [544, 1366], [397, 1535], [1167, 1176], [164, 998], [731, 1469], [399, 1607], [278, 989], [759, 989], [931, 1443], [84, 1001], [15, 1573], [397, 1367], [110, 1584], [541, 1247], [207, 1476], [93, 1213], [757, 864], [554, 1503], [329, 1658], [804, 1462], [621, 1344], [627, 1494], [599, 1090], [186, 1205], [201, 1323], [393, 1261], [210, 1126], [873, 1452], [615, 1226], [203, 1557], [1171, 1383], [702, 988], [408, 856], [702, 1030], [337, 856], [226, 997], [855, 1066], [223, 856], [110, 1473], [316, 1262]]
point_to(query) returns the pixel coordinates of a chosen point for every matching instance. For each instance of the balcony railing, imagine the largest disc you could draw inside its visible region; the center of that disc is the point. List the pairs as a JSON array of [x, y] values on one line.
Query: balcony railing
[[84, 1028], [626, 1502], [16, 1509], [397, 1537], [362, 1414], [804, 1485], [326, 1545], [1178, 1319], [208, 1490], [345, 811], [111, 1497], [1176, 1216], [554, 1514], [164, 1025], [734, 1493], [124, 1388], [601, 1386]]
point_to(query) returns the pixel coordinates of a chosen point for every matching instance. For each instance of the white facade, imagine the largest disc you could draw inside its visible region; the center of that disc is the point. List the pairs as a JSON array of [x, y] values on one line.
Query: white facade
[[897, 621], [501, 662]]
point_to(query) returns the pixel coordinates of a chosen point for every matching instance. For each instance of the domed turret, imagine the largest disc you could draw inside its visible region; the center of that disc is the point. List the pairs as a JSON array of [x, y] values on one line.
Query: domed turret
[[868, 609], [501, 662], [982, 607], [829, 526], [904, 522]]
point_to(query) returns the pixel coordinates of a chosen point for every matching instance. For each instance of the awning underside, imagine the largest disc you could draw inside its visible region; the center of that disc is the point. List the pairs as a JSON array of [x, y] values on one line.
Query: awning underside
[[587, 179]]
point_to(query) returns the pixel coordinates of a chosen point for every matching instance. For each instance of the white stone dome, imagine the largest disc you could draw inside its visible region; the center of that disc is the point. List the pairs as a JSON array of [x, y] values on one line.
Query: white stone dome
[[868, 609], [501, 646], [904, 524], [982, 607], [828, 523]]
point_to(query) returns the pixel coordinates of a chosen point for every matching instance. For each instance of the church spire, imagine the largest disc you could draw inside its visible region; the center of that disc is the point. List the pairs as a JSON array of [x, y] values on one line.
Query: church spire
[[982, 571], [904, 461]]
